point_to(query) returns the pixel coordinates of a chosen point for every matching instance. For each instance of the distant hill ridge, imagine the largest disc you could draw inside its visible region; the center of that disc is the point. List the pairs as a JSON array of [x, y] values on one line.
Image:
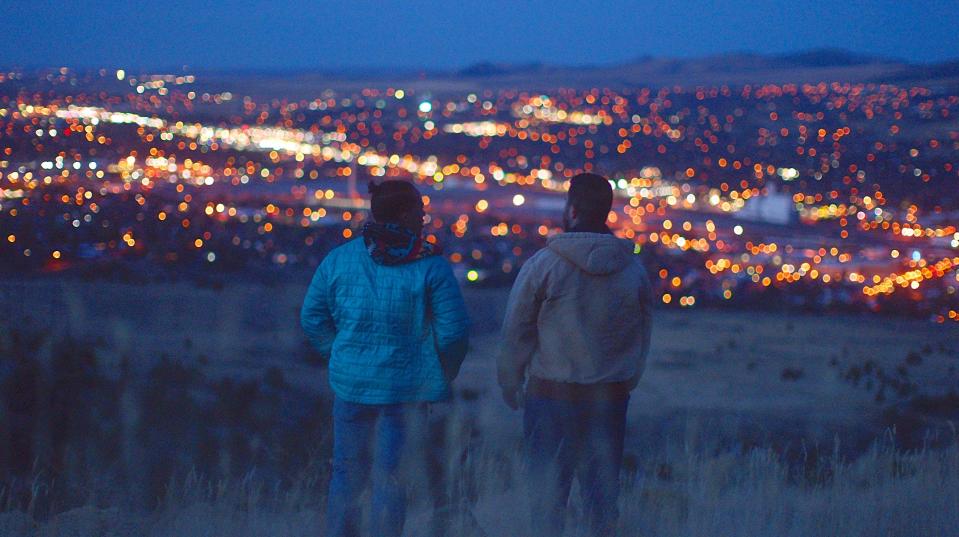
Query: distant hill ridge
[[741, 67], [733, 69], [824, 57]]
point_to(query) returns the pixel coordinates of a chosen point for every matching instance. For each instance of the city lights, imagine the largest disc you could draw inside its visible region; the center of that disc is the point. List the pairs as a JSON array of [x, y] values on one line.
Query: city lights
[[733, 190]]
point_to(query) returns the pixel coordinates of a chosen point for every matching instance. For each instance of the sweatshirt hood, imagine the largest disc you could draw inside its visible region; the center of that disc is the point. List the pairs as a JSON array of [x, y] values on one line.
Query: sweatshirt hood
[[593, 253]]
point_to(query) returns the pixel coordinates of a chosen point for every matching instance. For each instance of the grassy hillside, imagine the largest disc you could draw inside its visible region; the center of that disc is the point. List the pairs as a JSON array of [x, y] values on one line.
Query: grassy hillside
[[176, 410]]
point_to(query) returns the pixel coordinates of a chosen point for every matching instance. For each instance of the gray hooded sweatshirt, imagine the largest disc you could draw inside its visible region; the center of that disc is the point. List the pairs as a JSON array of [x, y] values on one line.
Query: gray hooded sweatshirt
[[579, 312]]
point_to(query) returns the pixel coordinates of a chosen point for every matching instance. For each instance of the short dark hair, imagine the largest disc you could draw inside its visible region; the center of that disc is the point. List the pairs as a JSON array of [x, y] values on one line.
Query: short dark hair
[[391, 199], [592, 196]]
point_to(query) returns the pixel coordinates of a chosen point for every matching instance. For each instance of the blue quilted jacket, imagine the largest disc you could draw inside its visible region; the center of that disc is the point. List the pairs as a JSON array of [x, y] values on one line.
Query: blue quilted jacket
[[392, 334]]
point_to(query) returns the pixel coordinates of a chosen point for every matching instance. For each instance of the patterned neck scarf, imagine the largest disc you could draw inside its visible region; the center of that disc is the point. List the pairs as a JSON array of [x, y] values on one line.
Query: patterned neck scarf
[[390, 244]]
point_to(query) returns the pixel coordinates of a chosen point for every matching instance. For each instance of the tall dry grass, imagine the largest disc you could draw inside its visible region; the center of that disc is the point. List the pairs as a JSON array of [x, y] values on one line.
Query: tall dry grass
[[884, 492], [268, 475]]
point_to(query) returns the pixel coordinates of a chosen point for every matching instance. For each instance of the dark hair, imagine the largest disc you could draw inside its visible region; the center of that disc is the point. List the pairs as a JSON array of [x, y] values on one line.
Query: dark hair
[[592, 196], [391, 199]]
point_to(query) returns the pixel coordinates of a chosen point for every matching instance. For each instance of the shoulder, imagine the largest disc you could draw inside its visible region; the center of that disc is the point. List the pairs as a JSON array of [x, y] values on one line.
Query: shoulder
[[435, 267], [350, 247], [638, 266], [537, 269], [542, 256], [542, 261], [639, 276], [343, 259], [345, 250]]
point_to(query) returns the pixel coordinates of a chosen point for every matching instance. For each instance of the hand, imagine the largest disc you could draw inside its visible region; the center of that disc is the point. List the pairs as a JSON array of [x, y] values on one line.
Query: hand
[[513, 396]]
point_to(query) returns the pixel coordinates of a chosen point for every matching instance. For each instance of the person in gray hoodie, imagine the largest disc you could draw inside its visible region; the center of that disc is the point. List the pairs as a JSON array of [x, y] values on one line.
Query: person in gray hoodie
[[576, 334]]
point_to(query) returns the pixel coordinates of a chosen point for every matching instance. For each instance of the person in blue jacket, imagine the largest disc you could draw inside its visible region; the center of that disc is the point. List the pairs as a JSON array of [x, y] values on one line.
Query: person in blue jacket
[[387, 312]]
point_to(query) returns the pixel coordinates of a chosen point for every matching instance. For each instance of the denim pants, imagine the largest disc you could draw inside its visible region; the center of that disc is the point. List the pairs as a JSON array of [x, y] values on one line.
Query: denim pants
[[368, 444], [566, 439]]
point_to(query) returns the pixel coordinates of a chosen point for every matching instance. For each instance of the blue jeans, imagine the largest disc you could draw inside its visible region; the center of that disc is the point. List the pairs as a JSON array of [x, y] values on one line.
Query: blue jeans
[[574, 438], [368, 441]]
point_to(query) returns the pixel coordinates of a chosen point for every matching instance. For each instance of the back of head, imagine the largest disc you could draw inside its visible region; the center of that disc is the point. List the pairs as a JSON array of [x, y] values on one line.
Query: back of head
[[592, 197], [391, 199]]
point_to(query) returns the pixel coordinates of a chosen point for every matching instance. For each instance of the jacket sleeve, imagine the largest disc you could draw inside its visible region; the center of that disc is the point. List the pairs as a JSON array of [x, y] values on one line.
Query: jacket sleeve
[[520, 336], [646, 327], [316, 316], [449, 319]]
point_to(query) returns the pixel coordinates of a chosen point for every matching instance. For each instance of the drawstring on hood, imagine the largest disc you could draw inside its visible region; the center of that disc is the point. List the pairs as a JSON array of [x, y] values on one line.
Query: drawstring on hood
[[594, 253]]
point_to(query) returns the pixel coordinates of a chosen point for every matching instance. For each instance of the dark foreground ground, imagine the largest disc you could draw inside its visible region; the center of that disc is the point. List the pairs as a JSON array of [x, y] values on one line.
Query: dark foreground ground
[[210, 401], [722, 366]]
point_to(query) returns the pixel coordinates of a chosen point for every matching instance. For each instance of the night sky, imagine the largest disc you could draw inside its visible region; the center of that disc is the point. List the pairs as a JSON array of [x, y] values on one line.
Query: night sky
[[453, 34]]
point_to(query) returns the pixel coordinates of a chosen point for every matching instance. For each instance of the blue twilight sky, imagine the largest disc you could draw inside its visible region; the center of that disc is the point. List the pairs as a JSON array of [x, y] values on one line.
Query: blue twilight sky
[[452, 34]]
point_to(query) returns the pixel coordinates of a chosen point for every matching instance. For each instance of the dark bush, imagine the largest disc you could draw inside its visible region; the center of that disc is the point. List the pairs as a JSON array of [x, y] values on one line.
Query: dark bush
[[123, 438], [791, 374]]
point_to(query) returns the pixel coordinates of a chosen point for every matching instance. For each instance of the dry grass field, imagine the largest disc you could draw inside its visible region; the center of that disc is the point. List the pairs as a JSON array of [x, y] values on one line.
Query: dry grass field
[[745, 423]]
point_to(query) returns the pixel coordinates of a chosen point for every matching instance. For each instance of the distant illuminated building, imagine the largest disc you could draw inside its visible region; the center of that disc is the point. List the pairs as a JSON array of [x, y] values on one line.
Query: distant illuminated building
[[773, 208]]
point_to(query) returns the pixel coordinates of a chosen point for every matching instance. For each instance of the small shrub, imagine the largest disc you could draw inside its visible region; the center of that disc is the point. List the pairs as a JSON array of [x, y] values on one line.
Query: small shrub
[[791, 374]]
